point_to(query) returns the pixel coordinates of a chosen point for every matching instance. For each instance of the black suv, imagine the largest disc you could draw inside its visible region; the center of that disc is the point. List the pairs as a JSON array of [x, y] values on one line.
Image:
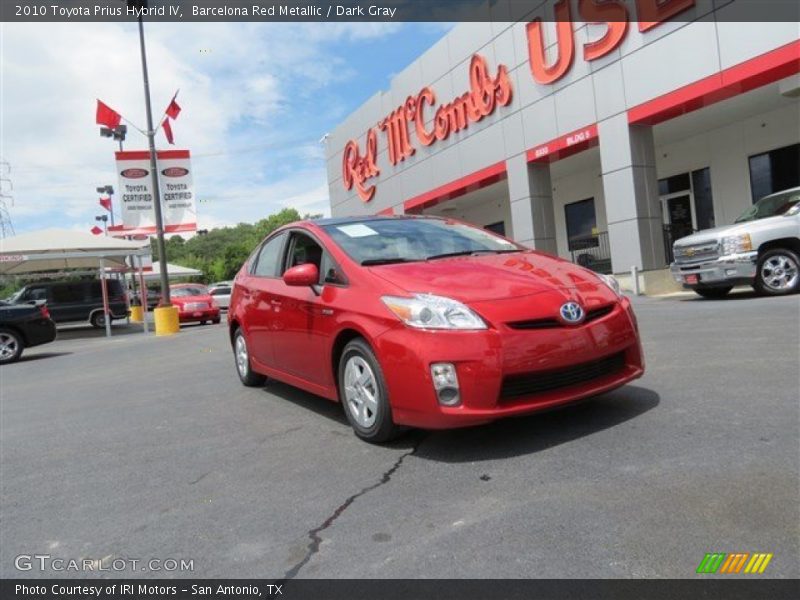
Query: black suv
[[70, 301]]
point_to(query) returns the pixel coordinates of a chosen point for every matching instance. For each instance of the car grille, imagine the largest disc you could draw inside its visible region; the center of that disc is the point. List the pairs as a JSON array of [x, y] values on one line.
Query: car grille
[[552, 322], [196, 305], [528, 384], [696, 252]]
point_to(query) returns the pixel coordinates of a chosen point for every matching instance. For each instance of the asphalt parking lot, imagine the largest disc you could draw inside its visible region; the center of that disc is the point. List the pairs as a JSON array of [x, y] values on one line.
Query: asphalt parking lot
[[143, 447]]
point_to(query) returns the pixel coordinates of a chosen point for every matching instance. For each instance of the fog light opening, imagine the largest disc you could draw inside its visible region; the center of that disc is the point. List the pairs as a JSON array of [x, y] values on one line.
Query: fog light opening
[[445, 383]]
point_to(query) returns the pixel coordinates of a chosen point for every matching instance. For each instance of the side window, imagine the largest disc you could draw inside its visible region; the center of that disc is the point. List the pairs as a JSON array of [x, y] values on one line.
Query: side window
[[330, 272], [269, 257], [304, 250], [36, 294], [67, 293]]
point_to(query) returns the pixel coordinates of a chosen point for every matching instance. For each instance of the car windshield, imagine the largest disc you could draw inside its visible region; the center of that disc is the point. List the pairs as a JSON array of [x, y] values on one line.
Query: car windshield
[[386, 241], [14, 298], [182, 292], [772, 206]]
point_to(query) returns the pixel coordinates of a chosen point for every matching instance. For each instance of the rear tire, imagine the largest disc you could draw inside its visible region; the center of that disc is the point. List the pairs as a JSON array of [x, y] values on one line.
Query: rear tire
[[98, 320], [778, 272], [216, 321], [714, 293], [11, 346], [241, 357], [363, 393]]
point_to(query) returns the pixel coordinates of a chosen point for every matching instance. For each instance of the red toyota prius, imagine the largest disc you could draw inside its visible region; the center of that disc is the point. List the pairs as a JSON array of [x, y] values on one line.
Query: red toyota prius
[[427, 322]]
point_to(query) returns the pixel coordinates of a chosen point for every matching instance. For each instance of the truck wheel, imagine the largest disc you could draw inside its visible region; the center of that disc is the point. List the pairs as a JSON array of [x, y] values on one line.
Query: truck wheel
[[714, 293], [11, 346], [98, 320], [778, 272]]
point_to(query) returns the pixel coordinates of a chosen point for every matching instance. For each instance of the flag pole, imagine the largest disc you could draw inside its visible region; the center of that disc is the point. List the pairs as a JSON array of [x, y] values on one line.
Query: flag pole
[[151, 134]]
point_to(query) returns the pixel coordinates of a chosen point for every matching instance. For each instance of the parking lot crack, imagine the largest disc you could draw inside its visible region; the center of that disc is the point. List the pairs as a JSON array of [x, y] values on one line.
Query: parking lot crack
[[314, 535]]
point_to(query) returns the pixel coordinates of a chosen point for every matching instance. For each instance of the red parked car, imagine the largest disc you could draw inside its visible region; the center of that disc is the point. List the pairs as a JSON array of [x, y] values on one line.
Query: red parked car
[[427, 322], [194, 303]]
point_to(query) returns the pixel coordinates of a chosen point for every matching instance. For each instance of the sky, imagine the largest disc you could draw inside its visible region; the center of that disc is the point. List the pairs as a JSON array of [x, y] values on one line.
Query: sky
[[256, 99]]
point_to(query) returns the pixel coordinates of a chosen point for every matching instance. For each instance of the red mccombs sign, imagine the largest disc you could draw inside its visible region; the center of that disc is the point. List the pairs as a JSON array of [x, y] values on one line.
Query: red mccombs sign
[[487, 92]]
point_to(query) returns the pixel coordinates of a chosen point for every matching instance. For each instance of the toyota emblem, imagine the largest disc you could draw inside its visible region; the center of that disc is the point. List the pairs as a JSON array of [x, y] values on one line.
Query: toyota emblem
[[572, 313]]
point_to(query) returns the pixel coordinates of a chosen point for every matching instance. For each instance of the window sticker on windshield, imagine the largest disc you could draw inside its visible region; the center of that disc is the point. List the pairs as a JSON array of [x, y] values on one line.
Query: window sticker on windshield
[[357, 230]]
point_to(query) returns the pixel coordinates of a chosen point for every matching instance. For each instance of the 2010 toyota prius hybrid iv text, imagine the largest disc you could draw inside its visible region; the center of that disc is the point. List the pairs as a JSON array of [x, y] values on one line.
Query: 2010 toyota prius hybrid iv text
[[427, 322]]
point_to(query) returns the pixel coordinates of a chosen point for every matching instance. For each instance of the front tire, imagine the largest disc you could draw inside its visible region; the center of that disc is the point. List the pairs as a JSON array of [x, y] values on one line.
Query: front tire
[[11, 346], [98, 320], [715, 293], [778, 272], [363, 393], [241, 356]]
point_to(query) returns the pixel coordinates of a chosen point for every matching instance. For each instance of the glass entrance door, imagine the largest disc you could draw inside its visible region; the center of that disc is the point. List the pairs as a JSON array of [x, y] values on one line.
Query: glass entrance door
[[678, 215]]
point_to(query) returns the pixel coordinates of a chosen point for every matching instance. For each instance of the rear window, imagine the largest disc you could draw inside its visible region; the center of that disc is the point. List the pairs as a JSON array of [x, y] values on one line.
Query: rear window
[[183, 292], [222, 291]]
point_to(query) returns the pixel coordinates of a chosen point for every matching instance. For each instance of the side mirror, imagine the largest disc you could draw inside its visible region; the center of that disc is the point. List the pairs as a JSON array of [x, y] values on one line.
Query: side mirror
[[302, 275]]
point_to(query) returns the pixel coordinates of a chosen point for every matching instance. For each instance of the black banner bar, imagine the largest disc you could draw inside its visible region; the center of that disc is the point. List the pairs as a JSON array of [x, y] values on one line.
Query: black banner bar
[[727, 588], [381, 10]]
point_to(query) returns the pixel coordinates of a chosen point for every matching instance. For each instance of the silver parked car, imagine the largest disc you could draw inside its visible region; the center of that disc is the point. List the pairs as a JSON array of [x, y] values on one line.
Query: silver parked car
[[761, 248], [221, 292]]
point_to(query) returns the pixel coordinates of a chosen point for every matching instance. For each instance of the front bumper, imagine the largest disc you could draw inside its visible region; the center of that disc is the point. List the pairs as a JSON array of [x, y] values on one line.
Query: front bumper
[[736, 269], [484, 360]]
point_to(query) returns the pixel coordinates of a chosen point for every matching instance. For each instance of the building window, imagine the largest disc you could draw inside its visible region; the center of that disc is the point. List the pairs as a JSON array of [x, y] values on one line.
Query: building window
[[499, 227], [703, 202], [581, 224], [774, 171]]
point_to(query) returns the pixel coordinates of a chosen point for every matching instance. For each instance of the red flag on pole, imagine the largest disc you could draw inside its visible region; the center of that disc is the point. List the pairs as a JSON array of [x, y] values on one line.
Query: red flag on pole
[[168, 131], [96, 230], [106, 203], [173, 109], [107, 116]]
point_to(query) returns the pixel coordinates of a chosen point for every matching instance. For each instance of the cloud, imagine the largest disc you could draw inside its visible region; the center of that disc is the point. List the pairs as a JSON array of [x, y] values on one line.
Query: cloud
[[256, 99]]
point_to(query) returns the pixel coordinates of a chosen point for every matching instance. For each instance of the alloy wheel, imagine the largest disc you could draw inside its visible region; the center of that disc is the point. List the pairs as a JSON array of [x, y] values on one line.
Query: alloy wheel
[[780, 273], [361, 391], [8, 346], [242, 359]]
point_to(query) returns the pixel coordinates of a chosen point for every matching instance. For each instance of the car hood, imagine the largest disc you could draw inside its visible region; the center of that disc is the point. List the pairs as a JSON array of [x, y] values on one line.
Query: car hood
[[717, 233], [494, 277]]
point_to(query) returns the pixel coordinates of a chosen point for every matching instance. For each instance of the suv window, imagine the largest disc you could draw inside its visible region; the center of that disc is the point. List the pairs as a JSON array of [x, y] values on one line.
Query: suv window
[[269, 257], [36, 294], [67, 293]]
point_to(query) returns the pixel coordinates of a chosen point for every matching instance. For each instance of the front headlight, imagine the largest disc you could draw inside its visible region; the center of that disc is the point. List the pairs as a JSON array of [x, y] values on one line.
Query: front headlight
[[426, 311], [611, 282], [736, 244]]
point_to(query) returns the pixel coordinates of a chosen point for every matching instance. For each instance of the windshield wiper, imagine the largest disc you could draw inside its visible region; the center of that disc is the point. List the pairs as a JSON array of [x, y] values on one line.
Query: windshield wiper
[[471, 253], [371, 262]]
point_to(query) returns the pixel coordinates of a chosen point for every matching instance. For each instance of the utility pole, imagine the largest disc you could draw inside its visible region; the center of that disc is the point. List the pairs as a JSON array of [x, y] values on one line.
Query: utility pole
[[151, 134]]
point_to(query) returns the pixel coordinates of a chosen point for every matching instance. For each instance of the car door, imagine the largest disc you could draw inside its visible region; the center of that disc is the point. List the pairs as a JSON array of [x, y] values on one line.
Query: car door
[[305, 317], [257, 291]]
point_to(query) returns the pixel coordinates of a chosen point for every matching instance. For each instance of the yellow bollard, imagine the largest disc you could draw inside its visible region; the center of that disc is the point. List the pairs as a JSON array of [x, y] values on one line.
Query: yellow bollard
[[166, 318], [137, 314]]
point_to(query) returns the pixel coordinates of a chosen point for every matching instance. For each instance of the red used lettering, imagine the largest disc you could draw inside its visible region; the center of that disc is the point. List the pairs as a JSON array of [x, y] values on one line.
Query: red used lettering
[[653, 12], [615, 16], [542, 72]]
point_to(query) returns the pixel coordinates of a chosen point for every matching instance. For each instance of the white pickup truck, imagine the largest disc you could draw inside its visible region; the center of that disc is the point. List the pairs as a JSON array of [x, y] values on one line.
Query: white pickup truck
[[761, 248]]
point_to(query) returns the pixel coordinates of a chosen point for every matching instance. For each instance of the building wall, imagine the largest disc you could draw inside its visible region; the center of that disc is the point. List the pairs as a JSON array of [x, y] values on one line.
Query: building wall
[[646, 65]]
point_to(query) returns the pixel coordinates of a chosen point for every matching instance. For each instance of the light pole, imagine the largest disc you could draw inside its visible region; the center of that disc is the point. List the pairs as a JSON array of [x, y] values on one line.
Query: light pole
[[151, 134], [104, 219], [107, 189], [118, 133]]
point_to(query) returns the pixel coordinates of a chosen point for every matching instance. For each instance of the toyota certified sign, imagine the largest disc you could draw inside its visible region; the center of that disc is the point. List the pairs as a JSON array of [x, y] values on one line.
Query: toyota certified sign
[[136, 191]]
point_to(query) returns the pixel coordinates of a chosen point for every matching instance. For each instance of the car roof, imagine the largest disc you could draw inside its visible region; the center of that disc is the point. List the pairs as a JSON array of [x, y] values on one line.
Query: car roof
[[361, 218], [782, 192]]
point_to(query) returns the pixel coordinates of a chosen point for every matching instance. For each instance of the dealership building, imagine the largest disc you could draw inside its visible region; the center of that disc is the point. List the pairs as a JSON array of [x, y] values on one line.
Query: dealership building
[[601, 142]]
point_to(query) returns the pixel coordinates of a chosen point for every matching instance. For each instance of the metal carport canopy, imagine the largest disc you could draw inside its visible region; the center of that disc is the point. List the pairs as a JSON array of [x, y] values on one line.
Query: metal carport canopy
[[54, 249]]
